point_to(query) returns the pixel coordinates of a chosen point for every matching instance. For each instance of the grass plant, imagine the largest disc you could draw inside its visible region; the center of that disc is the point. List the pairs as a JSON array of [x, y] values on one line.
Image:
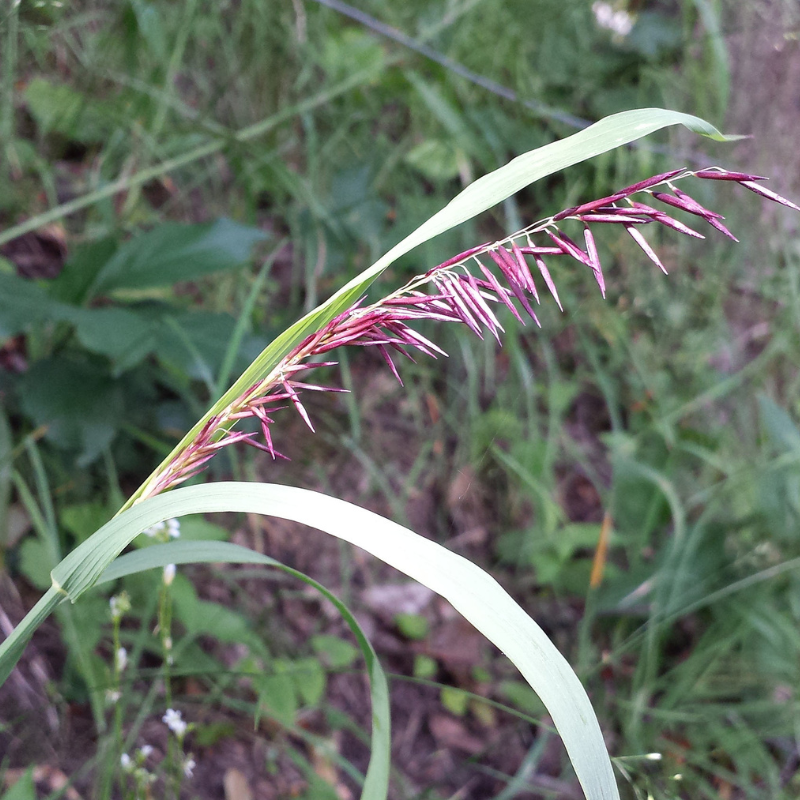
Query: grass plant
[[670, 407]]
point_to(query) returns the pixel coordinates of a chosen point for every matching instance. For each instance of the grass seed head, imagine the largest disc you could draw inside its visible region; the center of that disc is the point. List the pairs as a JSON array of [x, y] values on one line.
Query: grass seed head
[[443, 295]]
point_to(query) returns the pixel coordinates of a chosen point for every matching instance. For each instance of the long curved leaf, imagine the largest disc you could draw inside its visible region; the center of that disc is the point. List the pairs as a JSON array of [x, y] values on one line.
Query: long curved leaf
[[469, 589], [479, 196], [376, 781]]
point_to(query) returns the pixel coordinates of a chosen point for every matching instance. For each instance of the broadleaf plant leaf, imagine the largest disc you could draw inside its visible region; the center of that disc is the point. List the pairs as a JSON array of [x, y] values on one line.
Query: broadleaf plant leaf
[[471, 590], [611, 132], [80, 405], [123, 335], [24, 303], [174, 252]]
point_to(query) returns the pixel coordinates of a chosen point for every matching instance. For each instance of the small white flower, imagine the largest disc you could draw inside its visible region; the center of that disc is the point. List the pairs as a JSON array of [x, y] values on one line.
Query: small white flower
[[617, 21], [188, 767], [120, 604], [173, 720], [653, 756], [125, 761], [145, 751], [121, 659], [173, 528], [112, 696], [169, 574]]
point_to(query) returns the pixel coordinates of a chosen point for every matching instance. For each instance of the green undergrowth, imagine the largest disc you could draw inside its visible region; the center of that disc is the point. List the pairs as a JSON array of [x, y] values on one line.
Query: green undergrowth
[[204, 176]]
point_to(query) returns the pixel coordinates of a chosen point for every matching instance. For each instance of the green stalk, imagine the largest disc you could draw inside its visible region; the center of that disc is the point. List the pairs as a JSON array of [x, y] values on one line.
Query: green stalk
[[165, 634], [116, 688], [17, 641]]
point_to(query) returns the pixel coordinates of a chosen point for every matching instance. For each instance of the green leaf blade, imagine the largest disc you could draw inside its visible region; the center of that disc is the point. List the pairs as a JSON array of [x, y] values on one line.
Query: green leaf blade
[[473, 592]]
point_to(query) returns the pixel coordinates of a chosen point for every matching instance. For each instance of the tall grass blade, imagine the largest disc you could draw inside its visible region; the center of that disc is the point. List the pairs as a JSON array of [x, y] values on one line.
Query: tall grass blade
[[473, 592]]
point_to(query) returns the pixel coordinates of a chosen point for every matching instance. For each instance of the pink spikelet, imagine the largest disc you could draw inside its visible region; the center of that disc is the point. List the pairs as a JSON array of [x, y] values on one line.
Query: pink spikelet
[[462, 290]]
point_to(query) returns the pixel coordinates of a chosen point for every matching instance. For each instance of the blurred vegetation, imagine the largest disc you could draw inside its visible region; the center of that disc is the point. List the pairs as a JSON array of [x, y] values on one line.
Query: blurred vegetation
[[180, 181]]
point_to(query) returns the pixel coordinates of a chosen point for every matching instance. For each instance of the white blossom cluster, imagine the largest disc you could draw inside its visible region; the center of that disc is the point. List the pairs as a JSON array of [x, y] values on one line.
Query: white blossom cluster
[[175, 722], [617, 21], [120, 605], [135, 767]]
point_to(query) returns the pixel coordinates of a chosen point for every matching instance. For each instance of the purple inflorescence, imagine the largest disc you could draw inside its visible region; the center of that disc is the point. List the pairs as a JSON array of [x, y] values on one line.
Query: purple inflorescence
[[453, 291]]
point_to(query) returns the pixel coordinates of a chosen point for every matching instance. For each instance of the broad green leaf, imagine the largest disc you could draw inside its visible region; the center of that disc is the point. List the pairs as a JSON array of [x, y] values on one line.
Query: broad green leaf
[[472, 591], [425, 667], [192, 342], [23, 303], [412, 626], [607, 134], [173, 252], [455, 700], [309, 679], [72, 284], [205, 617], [195, 342], [80, 405], [335, 652], [118, 333], [83, 519], [278, 694]]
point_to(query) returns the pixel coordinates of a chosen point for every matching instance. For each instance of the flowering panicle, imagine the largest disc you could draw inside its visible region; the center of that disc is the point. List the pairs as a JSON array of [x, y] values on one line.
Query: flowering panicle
[[463, 289]]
